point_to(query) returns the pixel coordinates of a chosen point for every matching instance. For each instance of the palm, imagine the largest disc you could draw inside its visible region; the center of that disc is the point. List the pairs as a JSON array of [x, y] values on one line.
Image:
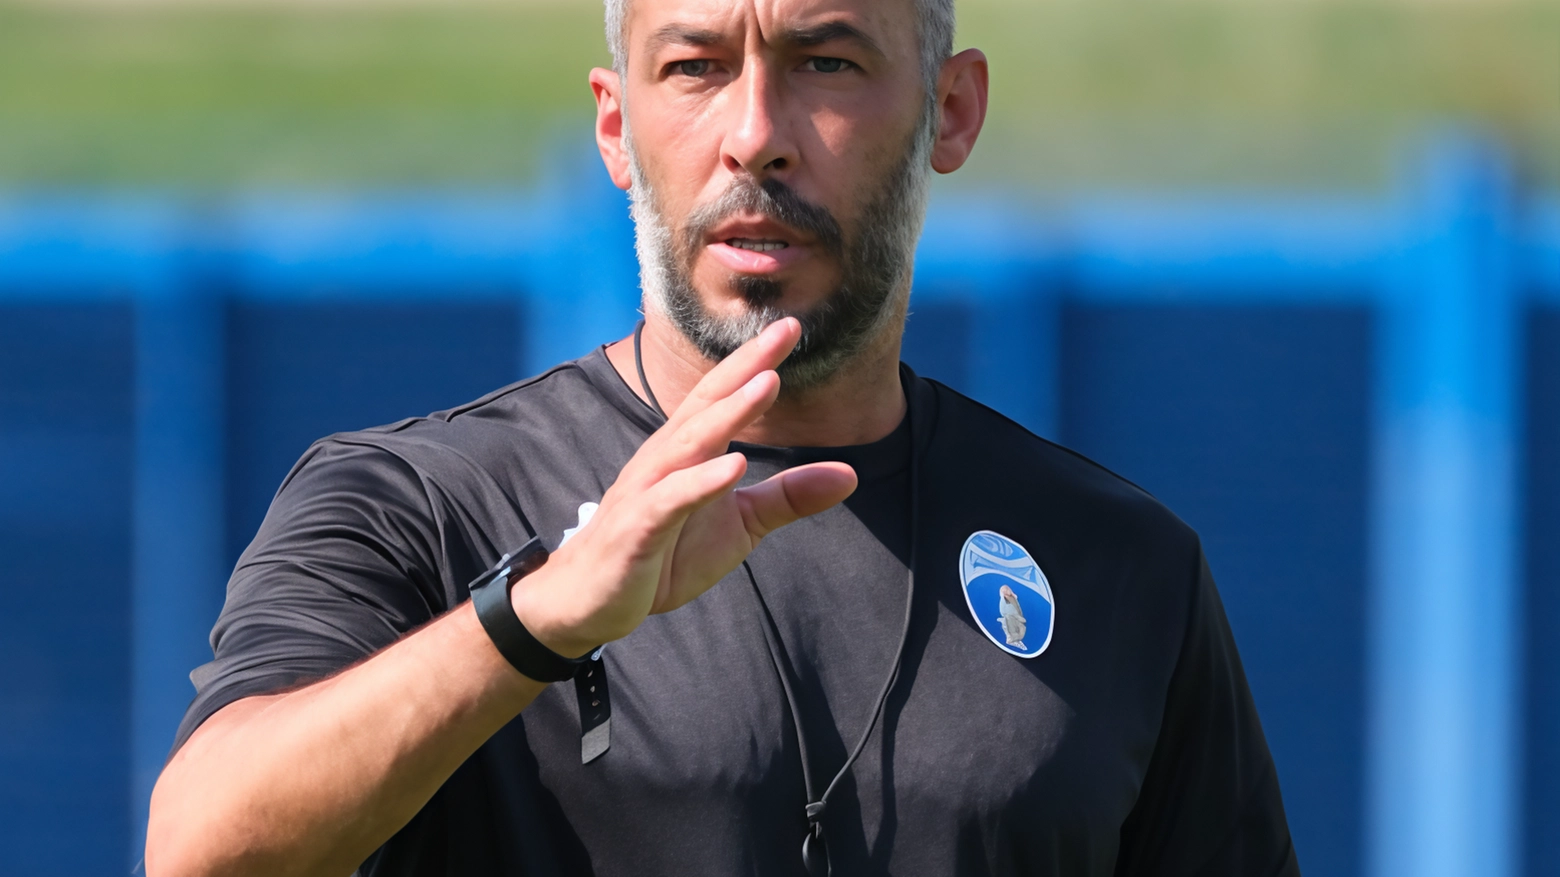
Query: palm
[[674, 523], [709, 544]]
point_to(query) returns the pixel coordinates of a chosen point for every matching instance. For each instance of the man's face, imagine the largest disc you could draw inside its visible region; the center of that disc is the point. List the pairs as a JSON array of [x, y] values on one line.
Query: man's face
[[779, 155]]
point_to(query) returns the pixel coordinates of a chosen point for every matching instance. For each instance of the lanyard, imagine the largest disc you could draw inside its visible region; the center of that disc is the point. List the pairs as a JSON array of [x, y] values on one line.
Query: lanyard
[[815, 851]]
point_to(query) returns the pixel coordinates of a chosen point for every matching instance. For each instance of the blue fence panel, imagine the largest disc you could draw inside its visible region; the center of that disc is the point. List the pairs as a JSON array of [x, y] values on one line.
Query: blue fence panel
[[1539, 277], [66, 430], [1542, 633], [1329, 389], [302, 370], [1251, 421], [937, 341]]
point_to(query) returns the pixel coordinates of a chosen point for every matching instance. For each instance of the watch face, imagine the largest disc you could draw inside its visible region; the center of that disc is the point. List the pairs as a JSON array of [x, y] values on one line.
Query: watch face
[[527, 560], [513, 567]]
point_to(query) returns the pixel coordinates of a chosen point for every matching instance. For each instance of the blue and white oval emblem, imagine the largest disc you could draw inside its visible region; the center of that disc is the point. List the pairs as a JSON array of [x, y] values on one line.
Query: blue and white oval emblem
[[1007, 593]]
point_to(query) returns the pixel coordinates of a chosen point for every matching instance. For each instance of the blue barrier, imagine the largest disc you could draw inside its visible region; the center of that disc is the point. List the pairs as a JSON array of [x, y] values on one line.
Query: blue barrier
[[1396, 695]]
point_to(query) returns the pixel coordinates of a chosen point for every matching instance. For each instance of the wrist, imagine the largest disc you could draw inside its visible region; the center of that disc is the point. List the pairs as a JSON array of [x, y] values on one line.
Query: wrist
[[537, 602], [492, 596]]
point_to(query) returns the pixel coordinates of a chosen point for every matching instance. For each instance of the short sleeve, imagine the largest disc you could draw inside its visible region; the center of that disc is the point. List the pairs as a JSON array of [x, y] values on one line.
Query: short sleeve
[[1210, 802], [343, 565]]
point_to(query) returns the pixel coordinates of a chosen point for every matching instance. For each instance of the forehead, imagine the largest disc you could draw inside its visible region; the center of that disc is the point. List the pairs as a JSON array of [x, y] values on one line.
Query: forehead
[[891, 24]]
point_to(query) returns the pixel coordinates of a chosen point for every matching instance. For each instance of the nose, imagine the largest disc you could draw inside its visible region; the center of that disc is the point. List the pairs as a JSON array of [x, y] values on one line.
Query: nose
[[758, 139]]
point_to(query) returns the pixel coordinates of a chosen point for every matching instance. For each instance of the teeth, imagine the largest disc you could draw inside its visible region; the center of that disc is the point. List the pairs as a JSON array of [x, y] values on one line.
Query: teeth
[[757, 246]]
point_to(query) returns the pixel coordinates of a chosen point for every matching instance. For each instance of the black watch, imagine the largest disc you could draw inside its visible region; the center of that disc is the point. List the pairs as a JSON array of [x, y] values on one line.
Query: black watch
[[490, 596]]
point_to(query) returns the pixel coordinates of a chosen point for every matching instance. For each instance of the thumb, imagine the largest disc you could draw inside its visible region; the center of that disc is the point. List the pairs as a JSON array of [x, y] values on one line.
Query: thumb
[[794, 494]]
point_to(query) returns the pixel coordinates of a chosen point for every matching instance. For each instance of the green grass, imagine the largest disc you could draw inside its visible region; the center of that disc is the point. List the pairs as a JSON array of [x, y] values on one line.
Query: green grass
[[1105, 92], [1213, 93], [291, 95]]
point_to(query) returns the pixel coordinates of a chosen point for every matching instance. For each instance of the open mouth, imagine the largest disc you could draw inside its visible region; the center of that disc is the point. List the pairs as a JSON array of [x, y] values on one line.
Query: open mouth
[[756, 245]]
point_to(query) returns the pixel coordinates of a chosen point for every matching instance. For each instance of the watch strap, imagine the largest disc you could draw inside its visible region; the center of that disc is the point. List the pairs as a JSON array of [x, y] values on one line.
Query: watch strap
[[490, 597], [590, 690]]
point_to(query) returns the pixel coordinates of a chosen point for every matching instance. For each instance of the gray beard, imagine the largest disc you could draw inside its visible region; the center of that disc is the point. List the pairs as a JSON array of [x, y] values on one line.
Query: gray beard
[[875, 261]]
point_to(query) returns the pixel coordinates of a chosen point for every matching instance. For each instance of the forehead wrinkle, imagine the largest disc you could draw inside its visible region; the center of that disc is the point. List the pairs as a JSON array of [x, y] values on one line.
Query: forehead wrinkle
[[719, 27], [806, 36]]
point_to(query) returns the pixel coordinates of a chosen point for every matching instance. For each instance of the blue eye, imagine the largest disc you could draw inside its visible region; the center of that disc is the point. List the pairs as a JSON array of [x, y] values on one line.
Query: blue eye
[[692, 68], [828, 65]]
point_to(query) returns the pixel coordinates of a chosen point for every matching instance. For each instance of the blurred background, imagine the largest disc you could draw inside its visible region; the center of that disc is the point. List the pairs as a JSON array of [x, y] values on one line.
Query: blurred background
[[1293, 266]]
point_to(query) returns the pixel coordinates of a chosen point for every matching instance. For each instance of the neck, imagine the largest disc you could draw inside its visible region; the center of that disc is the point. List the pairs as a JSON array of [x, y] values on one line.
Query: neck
[[861, 403]]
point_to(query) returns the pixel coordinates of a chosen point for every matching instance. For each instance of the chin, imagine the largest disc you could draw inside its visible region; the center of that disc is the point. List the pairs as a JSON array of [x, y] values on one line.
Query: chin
[[791, 296]]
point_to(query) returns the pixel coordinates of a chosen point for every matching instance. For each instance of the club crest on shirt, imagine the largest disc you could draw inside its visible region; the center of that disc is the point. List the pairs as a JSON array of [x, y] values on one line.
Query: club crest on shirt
[[1007, 593]]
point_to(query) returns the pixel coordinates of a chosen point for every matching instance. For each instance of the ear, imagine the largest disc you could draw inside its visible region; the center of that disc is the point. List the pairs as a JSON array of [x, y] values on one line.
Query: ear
[[961, 104], [608, 89]]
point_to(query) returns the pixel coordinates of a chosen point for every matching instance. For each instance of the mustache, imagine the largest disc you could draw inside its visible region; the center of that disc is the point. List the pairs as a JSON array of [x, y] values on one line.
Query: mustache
[[770, 199]]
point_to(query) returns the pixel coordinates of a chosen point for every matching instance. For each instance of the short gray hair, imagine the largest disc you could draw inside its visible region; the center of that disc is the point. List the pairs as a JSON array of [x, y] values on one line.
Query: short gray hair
[[934, 26]]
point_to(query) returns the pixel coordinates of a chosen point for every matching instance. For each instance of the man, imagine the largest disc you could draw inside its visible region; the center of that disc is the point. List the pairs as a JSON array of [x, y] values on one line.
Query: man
[[805, 563]]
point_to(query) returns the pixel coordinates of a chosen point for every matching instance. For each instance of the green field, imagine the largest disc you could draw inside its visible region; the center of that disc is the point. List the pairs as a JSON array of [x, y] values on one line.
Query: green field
[[1108, 92]]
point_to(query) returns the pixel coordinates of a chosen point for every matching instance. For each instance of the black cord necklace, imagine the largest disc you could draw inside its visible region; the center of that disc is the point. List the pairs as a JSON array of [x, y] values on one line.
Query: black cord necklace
[[639, 364], [815, 850]]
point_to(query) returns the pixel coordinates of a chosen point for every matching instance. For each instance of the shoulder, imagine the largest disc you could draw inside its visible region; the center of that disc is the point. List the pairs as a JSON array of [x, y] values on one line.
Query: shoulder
[[500, 468], [463, 441], [978, 451], [1125, 572], [439, 494]]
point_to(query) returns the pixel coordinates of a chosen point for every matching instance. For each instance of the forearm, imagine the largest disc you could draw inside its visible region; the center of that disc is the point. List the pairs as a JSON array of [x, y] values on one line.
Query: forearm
[[313, 781]]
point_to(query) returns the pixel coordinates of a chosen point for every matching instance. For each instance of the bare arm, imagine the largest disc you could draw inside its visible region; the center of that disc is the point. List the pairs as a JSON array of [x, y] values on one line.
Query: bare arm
[[313, 781]]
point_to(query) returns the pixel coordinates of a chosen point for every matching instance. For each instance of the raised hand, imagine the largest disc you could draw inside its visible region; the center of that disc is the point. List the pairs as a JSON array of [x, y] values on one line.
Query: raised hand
[[672, 525]]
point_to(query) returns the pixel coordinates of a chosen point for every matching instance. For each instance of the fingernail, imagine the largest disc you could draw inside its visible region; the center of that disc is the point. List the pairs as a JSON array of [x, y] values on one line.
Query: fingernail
[[757, 387], [780, 324]]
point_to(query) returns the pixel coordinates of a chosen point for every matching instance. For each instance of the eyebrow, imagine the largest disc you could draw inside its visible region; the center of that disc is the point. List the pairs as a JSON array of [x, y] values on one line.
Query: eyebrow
[[816, 35], [829, 32], [683, 35]]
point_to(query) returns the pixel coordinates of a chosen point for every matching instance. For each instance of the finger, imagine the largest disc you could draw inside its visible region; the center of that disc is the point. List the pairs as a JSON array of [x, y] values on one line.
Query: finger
[[794, 494], [685, 491], [704, 437], [761, 353], [729, 378], [709, 433]]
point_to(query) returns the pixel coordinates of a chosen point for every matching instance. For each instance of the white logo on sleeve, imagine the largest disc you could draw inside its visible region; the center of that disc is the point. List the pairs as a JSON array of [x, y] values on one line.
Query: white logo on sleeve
[[587, 510]]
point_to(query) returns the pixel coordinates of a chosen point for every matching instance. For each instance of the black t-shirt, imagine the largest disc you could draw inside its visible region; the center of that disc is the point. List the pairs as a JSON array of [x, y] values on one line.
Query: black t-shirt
[[1129, 746]]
